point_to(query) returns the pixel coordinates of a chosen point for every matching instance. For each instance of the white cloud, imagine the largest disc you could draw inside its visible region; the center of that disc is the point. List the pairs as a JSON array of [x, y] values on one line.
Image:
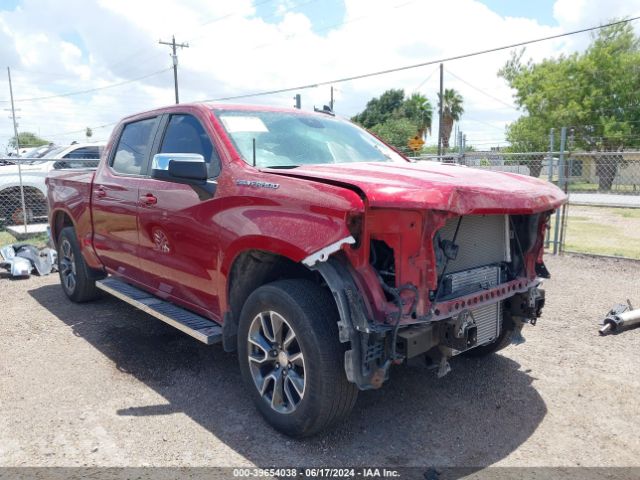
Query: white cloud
[[233, 52]]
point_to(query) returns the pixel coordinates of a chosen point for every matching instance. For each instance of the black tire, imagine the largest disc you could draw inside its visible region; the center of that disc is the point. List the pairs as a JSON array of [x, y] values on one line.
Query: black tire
[[309, 312], [503, 341], [75, 277]]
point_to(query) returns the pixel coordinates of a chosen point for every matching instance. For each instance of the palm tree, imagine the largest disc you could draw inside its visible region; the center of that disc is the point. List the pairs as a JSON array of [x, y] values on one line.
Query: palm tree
[[418, 109], [452, 110]]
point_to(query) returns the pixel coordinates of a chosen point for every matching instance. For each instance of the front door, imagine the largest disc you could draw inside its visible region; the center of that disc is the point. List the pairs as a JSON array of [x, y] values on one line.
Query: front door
[[115, 199], [178, 248]]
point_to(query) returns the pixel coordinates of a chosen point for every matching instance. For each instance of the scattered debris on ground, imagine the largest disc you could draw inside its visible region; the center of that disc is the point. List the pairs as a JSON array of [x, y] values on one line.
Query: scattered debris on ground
[[619, 317], [21, 259]]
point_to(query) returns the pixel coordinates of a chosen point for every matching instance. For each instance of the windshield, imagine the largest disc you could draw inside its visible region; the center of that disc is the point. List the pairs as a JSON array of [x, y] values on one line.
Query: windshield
[[288, 139], [55, 152], [38, 152]]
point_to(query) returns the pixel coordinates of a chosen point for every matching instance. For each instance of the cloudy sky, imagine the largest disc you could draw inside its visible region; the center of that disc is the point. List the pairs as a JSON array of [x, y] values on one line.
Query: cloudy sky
[[244, 46]]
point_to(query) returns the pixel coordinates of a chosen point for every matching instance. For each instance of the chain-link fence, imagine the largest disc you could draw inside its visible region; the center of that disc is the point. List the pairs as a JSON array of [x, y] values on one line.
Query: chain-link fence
[[604, 195], [23, 204], [582, 172], [22, 193]]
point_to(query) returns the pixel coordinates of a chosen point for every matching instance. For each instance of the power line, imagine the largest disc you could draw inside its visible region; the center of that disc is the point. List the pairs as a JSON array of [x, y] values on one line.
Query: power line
[[79, 131], [425, 80], [422, 64], [467, 118], [361, 76], [480, 90], [80, 92]]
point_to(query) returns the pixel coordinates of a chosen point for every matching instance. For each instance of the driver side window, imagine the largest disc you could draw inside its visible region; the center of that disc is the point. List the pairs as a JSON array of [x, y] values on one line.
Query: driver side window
[[184, 134]]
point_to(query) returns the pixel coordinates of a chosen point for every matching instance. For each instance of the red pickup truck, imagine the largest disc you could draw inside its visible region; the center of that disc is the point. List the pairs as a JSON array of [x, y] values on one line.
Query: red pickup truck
[[300, 240]]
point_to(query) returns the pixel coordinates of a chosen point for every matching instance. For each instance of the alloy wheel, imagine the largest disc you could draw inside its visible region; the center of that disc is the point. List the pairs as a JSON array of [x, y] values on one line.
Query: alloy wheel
[[276, 361], [68, 266]]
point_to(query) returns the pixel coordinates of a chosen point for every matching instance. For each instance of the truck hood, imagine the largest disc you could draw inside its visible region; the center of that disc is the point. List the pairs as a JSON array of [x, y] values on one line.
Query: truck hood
[[437, 186]]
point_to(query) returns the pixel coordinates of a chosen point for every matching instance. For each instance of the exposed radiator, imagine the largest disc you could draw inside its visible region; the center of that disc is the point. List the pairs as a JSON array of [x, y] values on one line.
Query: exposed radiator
[[488, 317], [482, 240]]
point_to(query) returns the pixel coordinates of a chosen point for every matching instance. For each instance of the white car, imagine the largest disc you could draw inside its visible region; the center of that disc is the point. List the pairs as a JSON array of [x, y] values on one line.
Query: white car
[[34, 171]]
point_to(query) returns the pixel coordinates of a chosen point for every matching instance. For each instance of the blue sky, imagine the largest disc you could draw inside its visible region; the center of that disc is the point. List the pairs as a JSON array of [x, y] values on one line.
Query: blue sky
[[9, 4], [328, 13], [540, 10], [324, 15]]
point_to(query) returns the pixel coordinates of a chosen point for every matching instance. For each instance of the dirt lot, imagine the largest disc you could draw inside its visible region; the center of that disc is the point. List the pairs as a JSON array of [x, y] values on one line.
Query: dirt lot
[[103, 385]]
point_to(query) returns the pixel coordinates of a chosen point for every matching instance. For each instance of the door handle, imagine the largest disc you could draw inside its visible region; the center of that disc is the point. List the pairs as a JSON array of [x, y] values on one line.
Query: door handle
[[101, 192], [148, 199]]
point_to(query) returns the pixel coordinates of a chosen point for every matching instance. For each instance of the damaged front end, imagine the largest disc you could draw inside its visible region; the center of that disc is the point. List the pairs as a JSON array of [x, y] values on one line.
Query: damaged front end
[[422, 287]]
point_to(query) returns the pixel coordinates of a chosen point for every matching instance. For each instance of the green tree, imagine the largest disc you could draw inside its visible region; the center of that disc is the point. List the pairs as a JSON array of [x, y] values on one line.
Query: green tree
[[417, 108], [395, 118], [593, 92], [528, 134], [452, 110], [396, 132], [88, 133], [379, 110], [27, 139]]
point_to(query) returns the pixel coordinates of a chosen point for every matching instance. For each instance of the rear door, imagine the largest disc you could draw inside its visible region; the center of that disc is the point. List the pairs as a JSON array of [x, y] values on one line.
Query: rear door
[[115, 198], [178, 242]]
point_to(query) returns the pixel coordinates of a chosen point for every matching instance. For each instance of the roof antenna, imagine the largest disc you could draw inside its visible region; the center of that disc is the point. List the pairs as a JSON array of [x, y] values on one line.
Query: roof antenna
[[254, 152]]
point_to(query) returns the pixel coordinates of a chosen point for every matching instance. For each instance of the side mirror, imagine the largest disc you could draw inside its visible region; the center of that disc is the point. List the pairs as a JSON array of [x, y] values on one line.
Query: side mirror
[[179, 167]]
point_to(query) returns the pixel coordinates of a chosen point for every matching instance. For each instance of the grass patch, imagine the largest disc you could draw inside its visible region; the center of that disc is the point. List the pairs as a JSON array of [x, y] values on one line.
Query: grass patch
[[39, 240], [630, 213], [594, 187], [603, 231]]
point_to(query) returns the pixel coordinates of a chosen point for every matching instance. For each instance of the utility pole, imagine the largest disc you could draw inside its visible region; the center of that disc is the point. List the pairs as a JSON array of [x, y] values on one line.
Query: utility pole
[[15, 131], [440, 113], [331, 101], [174, 56]]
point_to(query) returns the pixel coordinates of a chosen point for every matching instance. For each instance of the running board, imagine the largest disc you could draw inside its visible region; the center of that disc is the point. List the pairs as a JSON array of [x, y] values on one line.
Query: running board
[[198, 327]]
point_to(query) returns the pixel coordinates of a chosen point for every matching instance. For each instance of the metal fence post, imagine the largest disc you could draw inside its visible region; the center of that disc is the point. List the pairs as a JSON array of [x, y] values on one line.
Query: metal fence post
[[550, 175], [556, 232], [464, 147], [19, 162]]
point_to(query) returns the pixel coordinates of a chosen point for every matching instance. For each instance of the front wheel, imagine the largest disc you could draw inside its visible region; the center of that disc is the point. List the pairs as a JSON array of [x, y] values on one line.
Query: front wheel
[[74, 272], [291, 359]]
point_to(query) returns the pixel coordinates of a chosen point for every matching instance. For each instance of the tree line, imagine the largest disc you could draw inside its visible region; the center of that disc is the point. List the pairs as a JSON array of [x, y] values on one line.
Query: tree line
[[397, 118]]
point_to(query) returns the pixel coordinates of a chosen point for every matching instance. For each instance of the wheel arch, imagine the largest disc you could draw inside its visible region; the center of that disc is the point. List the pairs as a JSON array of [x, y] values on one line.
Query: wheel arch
[[250, 269], [59, 219]]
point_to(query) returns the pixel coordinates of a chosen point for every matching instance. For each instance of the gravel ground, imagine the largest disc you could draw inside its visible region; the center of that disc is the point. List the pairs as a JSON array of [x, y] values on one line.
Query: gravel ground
[[101, 384]]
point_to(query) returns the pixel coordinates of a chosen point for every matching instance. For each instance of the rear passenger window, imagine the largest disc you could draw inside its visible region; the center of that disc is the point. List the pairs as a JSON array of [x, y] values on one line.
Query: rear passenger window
[[133, 147], [85, 152], [184, 134]]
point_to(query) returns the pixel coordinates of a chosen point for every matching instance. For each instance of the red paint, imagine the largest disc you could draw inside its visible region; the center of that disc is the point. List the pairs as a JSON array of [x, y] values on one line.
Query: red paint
[[163, 237]]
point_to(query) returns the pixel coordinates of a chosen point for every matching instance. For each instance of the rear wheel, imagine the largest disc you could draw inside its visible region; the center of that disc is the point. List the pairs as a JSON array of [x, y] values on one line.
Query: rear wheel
[[291, 359], [74, 272]]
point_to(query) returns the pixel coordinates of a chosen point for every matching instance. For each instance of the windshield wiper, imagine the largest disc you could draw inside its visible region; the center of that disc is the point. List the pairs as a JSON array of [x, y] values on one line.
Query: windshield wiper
[[281, 166]]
